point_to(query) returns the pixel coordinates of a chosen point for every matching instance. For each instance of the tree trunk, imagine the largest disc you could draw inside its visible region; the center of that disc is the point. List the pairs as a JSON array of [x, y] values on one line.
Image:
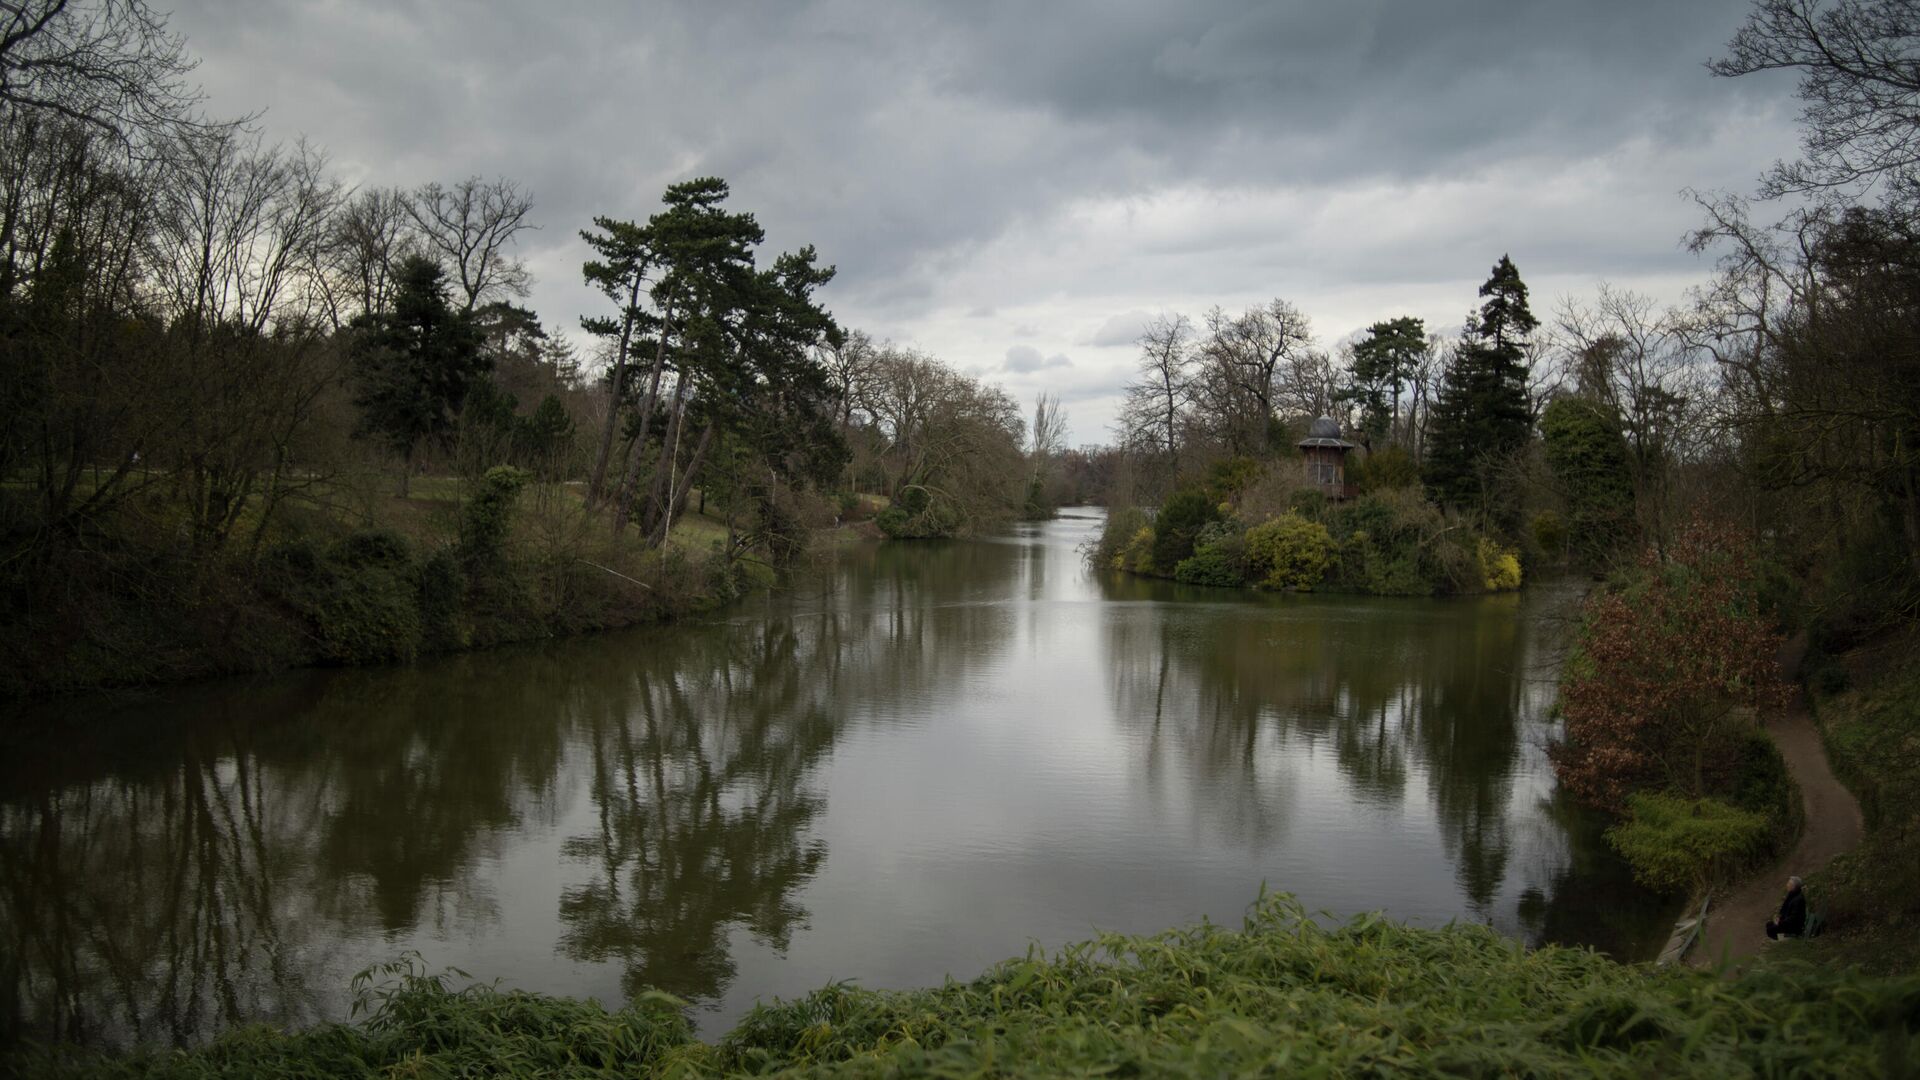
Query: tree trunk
[[662, 483], [678, 495], [632, 477], [597, 481]]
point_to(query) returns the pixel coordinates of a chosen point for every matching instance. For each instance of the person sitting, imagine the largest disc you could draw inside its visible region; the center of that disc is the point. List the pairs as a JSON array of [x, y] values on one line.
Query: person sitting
[[1792, 920]]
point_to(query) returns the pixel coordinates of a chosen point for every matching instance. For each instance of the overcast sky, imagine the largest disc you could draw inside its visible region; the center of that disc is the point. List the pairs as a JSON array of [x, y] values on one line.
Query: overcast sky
[[1015, 186]]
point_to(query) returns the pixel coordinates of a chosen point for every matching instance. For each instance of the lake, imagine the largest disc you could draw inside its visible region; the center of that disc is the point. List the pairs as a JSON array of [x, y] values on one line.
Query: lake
[[915, 761]]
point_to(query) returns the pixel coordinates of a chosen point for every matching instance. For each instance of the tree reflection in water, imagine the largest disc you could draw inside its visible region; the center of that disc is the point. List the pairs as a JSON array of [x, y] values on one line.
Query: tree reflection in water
[[1230, 685], [651, 809], [700, 763]]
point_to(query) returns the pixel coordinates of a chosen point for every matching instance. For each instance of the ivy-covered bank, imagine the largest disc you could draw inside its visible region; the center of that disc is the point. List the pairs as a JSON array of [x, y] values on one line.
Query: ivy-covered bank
[[1282, 995], [1391, 542]]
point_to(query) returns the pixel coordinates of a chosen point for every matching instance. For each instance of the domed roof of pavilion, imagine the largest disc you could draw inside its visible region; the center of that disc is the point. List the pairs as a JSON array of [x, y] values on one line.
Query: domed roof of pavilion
[[1325, 432]]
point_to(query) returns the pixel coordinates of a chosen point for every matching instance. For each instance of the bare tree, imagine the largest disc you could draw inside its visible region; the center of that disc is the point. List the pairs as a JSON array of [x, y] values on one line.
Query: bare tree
[[1157, 404], [1859, 81], [370, 236], [1048, 439], [471, 228], [850, 365], [110, 64], [1249, 361], [1423, 387], [949, 437], [75, 402], [1304, 387], [1049, 426], [235, 268]]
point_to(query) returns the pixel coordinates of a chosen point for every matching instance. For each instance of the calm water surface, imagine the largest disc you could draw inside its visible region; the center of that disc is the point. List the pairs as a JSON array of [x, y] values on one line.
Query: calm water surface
[[914, 763]]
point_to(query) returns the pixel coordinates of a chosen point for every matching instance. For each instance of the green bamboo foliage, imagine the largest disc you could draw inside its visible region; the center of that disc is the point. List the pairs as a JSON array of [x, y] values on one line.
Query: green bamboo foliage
[[1286, 994]]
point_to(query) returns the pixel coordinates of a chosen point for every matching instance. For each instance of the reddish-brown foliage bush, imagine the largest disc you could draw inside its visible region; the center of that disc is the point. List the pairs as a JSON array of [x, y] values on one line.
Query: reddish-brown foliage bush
[[1667, 669]]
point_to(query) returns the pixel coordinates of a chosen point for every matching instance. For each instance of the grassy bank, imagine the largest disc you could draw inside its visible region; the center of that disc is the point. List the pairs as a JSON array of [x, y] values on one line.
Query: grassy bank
[[1280, 996], [350, 574]]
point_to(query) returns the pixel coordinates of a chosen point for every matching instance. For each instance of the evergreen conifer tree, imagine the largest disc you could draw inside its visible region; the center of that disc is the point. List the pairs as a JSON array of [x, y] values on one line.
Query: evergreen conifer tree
[[415, 363], [1482, 415]]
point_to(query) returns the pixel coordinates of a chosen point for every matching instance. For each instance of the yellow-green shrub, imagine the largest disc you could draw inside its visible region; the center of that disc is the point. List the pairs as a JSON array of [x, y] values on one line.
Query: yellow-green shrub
[[1674, 843], [1137, 556], [1289, 552], [1499, 568]]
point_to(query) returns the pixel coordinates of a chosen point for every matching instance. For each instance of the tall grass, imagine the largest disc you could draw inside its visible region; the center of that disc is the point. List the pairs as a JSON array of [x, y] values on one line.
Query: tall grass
[[1281, 995]]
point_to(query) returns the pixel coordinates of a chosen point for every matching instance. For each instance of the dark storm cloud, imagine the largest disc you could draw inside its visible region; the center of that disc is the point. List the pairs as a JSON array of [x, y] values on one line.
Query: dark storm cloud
[[915, 143]]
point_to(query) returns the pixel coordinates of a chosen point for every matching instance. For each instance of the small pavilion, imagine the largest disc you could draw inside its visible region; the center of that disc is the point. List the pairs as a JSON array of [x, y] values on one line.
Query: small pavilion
[[1325, 454]]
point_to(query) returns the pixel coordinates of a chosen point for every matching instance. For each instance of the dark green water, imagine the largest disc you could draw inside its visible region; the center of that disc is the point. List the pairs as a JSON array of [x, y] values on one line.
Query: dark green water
[[913, 764]]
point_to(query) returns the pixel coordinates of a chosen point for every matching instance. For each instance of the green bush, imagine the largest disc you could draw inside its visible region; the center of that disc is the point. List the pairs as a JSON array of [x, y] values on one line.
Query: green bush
[[1588, 456], [1122, 523], [373, 547], [1674, 844], [1549, 532], [1289, 552], [1178, 523], [1219, 556], [1308, 502], [1761, 784], [1366, 567], [488, 516], [357, 599], [918, 515], [1229, 478], [442, 590], [1386, 469], [1873, 738], [1209, 566], [1137, 556]]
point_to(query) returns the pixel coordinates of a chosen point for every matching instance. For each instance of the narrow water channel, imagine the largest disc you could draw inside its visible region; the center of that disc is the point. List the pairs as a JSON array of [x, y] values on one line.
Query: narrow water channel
[[911, 764]]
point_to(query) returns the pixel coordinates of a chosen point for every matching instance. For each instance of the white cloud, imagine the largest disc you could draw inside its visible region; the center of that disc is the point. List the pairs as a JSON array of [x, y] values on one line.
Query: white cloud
[[1122, 329]]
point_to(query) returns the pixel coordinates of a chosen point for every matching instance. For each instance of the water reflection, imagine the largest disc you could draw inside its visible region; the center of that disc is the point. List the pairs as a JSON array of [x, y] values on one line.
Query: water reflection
[[908, 765], [700, 767], [1235, 686]]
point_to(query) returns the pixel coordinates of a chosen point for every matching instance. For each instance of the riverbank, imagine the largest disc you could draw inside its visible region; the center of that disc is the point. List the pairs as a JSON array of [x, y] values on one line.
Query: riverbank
[[1282, 993], [352, 578]]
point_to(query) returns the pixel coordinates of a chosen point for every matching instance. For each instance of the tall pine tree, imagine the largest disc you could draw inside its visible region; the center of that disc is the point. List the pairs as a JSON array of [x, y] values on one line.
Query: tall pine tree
[[1383, 363], [1481, 418]]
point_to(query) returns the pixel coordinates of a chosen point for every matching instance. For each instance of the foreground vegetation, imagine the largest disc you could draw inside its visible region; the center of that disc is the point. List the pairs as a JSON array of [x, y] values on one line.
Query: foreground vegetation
[[1282, 994]]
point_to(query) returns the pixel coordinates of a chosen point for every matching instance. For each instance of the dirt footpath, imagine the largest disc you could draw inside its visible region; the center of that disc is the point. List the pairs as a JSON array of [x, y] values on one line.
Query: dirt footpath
[[1736, 922]]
